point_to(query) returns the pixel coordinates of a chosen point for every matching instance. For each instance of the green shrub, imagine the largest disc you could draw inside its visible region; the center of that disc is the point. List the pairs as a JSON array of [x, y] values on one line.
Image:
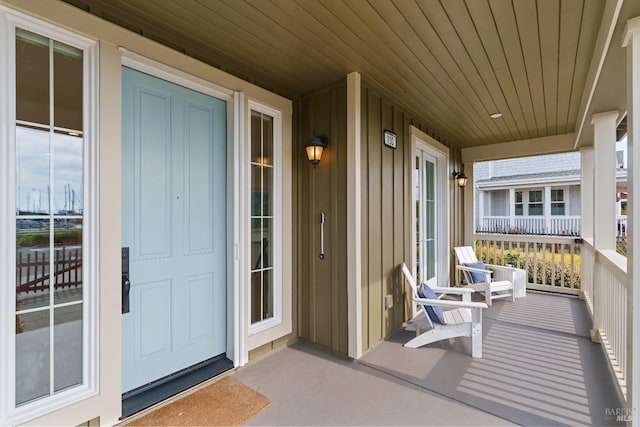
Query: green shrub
[[40, 238], [540, 265]]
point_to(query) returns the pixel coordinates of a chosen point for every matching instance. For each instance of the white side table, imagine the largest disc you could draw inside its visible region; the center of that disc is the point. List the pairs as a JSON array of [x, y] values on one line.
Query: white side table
[[520, 283]]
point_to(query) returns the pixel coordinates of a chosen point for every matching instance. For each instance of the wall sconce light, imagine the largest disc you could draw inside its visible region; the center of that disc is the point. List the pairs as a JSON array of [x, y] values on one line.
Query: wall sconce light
[[461, 178], [314, 148]]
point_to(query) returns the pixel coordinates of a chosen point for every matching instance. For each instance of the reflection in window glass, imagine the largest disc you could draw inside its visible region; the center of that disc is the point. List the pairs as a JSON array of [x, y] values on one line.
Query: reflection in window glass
[[519, 204], [67, 346], [32, 77], [32, 263], [49, 216], [262, 298], [67, 86], [535, 202], [557, 202], [32, 171], [32, 356]]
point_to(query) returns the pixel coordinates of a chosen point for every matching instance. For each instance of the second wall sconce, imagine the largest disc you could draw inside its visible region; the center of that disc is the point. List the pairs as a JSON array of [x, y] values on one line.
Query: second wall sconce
[[314, 148], [461, 178]]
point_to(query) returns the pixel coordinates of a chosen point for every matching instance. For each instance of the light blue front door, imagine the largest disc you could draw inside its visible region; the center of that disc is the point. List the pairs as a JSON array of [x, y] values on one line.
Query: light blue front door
[[174, 222]]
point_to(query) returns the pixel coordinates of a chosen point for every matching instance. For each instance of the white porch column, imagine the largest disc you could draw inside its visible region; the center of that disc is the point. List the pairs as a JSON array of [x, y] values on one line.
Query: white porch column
[[631, 41], [511, 210], [480, 212], [354, 213], [604, 145], [469, 206], [546, 208], [587, 202]]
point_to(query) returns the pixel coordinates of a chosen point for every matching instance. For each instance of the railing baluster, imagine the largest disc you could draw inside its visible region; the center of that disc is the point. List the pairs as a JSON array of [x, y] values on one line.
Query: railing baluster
[[572, 254]]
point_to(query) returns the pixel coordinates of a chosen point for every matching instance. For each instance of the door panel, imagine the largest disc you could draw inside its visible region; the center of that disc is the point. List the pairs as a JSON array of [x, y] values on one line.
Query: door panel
[[174, 220], [152, 174]]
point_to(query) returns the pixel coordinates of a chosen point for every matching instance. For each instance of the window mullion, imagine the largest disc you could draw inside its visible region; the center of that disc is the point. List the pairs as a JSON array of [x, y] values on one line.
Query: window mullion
[[52, 270]]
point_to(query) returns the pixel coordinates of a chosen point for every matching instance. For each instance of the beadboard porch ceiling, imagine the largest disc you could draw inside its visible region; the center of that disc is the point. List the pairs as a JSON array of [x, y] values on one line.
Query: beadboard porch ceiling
[[450, 62]]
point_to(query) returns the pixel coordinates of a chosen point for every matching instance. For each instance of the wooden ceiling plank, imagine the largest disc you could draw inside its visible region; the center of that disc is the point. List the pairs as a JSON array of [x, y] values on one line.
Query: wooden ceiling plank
[[429, 67], [330, 31], [203, 23], [445, 32], [570, 21], [591, 17], [452, 57], [549, 23], [425, 42], [333, 45], [484, 22], [458, 15], [526, 14], [295, 31], [124, 12], [150, 19], [341, 19], [276, 35], [509, 33]]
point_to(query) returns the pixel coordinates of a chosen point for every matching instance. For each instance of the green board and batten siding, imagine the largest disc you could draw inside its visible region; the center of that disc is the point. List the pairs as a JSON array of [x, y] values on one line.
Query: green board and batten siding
[[386, 216], [386, 199], [323, 282]]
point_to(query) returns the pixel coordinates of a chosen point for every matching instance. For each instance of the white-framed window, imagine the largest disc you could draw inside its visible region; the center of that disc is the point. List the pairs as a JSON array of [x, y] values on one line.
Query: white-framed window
[[519, 206], [557, 202], [263, 195], [268, 285], [48, 288], [535, 203]]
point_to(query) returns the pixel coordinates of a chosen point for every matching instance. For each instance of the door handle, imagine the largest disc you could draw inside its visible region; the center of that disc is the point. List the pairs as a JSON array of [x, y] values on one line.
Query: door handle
[[321, 235], [126, 287], [126, 283]]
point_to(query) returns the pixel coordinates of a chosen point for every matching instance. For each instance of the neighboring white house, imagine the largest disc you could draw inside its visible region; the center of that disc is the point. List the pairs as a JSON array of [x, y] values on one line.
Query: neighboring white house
[[544, 198]]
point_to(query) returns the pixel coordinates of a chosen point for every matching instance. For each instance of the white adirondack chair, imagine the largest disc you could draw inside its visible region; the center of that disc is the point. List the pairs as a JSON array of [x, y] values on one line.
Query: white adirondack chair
[[492, 288], [463, 319]]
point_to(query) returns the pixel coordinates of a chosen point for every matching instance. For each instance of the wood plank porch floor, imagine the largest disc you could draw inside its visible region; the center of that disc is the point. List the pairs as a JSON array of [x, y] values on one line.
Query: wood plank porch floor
[[539, 367]]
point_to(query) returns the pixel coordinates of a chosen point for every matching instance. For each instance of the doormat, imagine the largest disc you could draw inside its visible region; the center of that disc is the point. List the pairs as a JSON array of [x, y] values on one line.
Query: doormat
[[226, 402]]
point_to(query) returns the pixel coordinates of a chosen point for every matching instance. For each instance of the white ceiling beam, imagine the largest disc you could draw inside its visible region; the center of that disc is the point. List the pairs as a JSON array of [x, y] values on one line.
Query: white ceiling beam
[[522, 148], [607, 26]]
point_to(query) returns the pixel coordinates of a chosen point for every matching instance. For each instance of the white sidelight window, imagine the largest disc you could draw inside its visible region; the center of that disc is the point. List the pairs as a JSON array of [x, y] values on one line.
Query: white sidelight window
[[49, 278], [262, 217], [268, 226]]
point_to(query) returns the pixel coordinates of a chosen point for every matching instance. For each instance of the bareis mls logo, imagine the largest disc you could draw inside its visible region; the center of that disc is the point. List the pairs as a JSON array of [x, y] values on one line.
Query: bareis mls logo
[[620, 414]]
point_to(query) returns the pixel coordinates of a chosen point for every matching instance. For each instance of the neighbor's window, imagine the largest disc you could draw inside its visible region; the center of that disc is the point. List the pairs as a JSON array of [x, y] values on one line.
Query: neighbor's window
[[262, 185], [535, 202], [519, 204], [557, 202]]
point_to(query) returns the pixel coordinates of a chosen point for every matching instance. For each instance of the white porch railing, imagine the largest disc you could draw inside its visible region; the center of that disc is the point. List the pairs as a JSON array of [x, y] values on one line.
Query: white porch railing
[[572, 266], [555, 225], [609, 298], [552, 262]]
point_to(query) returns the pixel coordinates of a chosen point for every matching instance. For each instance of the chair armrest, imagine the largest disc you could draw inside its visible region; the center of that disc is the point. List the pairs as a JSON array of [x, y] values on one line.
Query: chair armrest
[[455, 291], [500, 267], [450, 304], [475, 270]]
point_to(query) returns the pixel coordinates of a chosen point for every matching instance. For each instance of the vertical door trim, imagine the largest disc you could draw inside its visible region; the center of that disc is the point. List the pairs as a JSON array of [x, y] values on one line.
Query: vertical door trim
[[422, 141]]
